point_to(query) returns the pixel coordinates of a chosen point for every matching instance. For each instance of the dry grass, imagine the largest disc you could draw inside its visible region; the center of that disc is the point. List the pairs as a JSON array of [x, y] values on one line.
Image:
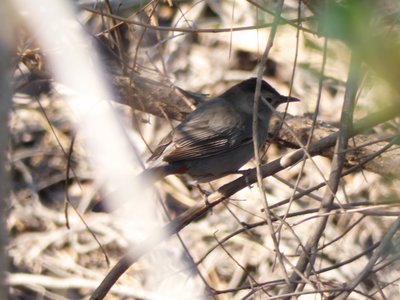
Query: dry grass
[[231, 245]]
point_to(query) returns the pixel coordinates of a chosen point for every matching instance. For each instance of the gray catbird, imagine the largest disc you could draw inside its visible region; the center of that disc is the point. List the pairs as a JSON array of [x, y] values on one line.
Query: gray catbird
[[216, 139]]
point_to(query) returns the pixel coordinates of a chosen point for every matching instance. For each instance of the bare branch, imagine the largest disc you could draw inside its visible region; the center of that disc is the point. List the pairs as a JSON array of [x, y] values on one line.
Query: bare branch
[[307, 257]]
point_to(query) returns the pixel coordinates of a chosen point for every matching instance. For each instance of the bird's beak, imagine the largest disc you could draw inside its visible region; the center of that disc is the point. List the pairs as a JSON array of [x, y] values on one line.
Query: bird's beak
[[285, 99], [278, 99]]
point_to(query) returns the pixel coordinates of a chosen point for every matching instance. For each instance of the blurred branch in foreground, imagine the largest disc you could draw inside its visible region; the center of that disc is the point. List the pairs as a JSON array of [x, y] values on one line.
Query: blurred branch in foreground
[[6, 51]]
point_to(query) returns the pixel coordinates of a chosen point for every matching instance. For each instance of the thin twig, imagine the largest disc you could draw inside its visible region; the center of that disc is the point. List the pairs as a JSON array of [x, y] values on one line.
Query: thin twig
[[256, 142], [191, 30], [371, 263], [307, 257]]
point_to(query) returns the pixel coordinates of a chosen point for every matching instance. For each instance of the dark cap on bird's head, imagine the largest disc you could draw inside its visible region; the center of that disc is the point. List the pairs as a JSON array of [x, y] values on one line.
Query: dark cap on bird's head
[[249, 85]]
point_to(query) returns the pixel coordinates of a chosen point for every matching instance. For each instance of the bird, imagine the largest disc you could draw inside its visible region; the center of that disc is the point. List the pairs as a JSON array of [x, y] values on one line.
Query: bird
[[216, 139]]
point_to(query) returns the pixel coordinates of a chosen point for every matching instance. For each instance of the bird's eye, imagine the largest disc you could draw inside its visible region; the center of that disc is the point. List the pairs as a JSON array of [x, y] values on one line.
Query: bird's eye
[[266, 100]]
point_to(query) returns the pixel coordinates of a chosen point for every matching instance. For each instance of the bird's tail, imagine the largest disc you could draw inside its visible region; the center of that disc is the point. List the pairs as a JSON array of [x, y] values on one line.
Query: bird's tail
[[156, 173], [144, 180]]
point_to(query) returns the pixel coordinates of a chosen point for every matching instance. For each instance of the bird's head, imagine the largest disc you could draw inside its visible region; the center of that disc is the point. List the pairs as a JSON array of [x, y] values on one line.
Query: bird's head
[[267, 92]]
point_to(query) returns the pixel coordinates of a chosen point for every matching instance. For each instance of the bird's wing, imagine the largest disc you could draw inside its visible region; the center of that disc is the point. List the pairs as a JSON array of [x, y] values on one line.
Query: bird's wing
[[161, 147], [212, 129]]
